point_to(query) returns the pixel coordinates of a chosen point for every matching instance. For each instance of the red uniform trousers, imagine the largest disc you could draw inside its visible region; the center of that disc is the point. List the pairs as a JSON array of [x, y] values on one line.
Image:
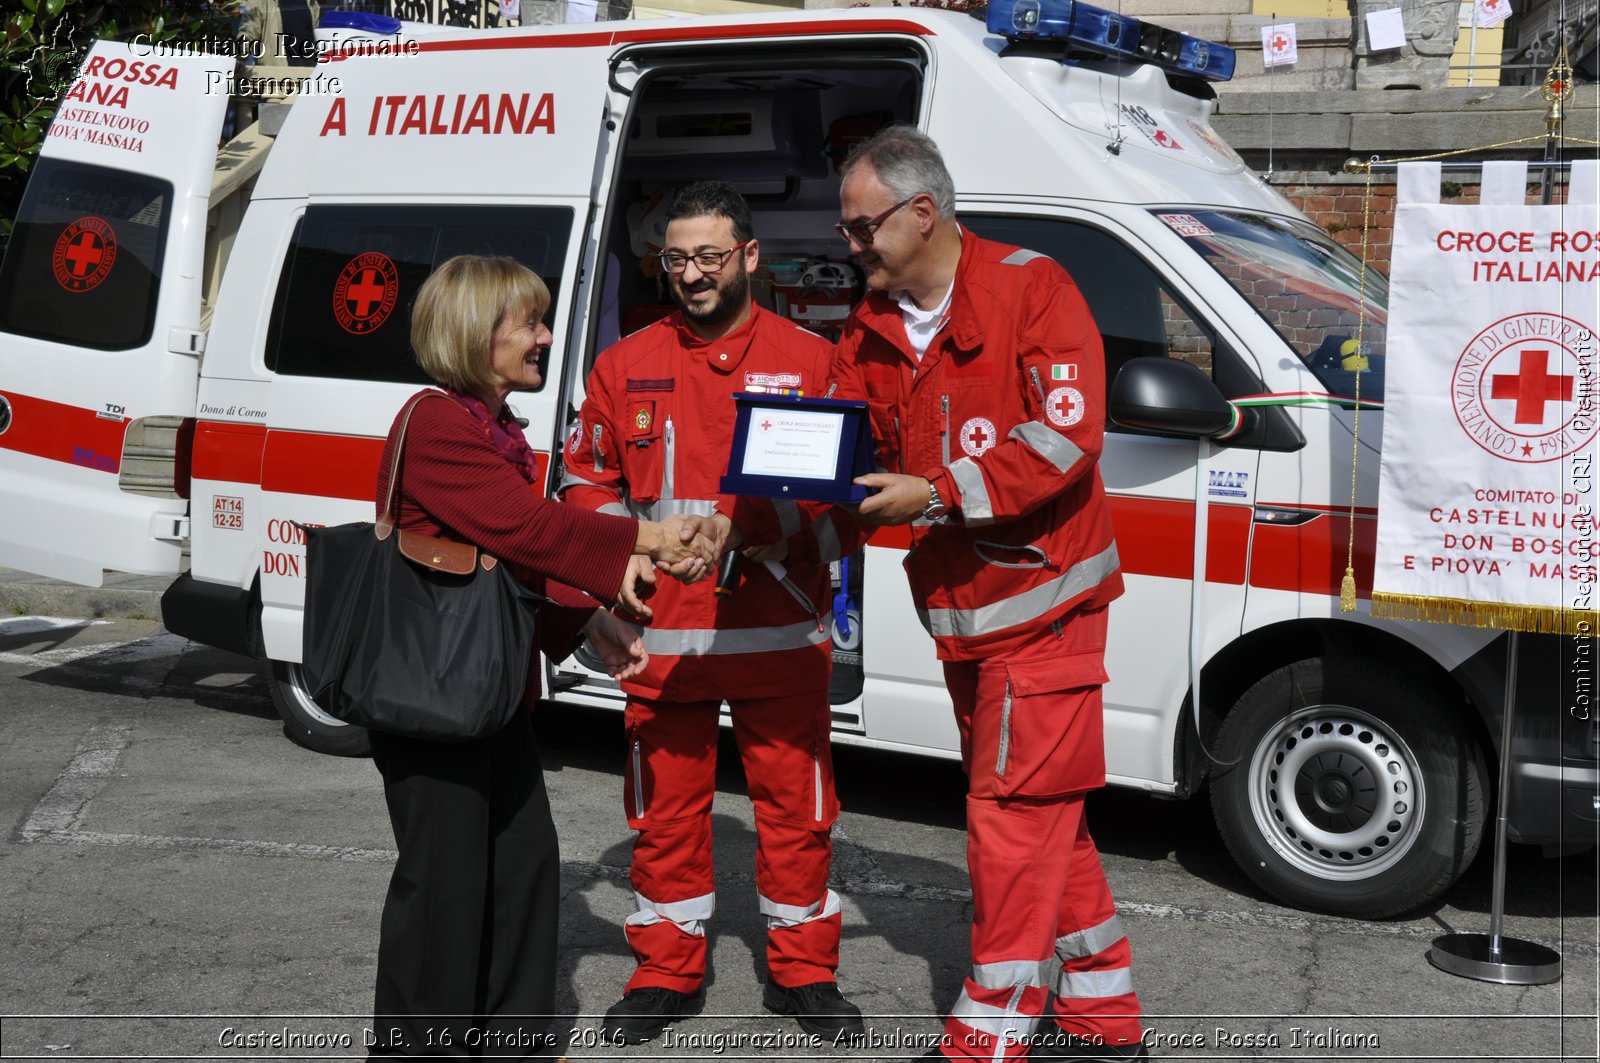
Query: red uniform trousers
[[670, 781], [1043, 917]]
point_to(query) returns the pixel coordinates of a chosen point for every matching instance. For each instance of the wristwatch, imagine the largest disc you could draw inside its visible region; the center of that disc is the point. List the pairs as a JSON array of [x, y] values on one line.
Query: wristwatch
[[936, 508]]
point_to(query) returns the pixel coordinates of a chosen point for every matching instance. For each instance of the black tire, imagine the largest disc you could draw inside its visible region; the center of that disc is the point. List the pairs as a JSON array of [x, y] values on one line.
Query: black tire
[[305, 722], [1353, 787]]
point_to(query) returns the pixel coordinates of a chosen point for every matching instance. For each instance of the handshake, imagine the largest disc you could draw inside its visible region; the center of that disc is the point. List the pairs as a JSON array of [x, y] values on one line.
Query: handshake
[[687, 548]]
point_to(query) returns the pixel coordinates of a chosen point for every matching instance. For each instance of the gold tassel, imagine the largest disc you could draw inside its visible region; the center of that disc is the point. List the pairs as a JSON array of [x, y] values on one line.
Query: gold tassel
[[1347, 591]]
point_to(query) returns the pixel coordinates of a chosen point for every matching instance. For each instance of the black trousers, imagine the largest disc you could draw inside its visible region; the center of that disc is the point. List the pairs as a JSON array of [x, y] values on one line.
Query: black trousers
[[467, 950]]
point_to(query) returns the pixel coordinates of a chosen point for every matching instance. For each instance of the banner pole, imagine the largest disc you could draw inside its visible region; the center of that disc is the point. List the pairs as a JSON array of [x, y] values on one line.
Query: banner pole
[[1492, 957]]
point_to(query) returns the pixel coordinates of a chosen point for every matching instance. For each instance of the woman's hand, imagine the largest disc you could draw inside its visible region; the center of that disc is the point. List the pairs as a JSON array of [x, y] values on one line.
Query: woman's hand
[[618, 643], [638, 583], [685, 539]]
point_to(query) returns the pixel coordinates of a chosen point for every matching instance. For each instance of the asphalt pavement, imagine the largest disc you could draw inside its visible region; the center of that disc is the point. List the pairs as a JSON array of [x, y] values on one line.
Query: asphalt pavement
[[181, 882]]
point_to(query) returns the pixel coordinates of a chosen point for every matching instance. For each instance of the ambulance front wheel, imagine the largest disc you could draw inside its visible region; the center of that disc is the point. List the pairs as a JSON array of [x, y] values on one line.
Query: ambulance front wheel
[[306, 723], [1352, 787]]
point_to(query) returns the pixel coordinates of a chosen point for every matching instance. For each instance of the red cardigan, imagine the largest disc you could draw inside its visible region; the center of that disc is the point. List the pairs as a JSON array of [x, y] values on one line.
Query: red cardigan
[[454, 483]]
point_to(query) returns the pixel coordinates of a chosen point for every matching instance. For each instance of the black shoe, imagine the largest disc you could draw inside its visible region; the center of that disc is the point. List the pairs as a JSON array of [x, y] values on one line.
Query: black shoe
[[819, 1008], [1056, 1043], [643, 1013]]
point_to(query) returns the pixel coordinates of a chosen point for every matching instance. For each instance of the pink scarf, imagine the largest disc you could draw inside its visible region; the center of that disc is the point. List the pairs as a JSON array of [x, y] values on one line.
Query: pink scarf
[[503, 431]]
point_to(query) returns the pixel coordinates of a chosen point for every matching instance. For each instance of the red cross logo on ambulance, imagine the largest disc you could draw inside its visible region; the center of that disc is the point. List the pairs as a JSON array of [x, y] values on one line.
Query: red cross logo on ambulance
[[365, 293], [1524, 388], [84, 254], [977, 436], [1064, 407]]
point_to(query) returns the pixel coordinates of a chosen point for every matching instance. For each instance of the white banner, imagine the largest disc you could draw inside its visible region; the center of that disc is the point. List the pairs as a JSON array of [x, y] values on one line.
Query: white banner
[[1278, 45], [1492, 12], [1486, 499]]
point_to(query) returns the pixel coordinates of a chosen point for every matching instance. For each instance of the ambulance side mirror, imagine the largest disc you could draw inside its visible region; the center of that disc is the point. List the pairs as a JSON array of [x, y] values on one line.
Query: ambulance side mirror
[[1170, 396]]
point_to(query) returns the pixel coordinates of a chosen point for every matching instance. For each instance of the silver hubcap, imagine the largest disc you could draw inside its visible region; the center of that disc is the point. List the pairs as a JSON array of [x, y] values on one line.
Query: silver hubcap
[[295, 679], [1336, 793]]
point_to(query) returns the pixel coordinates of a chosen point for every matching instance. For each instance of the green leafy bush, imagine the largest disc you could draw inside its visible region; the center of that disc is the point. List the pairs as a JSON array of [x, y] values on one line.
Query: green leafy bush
[[41, 47]]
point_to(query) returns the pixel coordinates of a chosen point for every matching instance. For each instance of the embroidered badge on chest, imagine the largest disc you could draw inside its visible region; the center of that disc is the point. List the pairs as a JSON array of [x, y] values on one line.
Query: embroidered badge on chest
[[1064, 407], [644, 417], [977, 436], [771, 380]]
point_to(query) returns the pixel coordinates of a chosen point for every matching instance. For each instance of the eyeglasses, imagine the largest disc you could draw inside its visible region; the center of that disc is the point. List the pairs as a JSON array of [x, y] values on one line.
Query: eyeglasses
[[676, 262], [862, 232]]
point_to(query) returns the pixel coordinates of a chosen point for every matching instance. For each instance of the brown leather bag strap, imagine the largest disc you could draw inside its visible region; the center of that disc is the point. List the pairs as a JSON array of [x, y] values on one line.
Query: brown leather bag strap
[[386, 519]]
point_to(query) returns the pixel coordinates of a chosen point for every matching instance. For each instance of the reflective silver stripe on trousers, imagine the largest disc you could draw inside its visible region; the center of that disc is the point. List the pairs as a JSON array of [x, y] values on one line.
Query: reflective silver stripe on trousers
[[1003, 1024], [1020, 608], [782, 915], [689, 915], [975, 505], [1091, 940], [1020, 257], [1045, 441], [828, 548], [699, 642], [1003, 973], [1095, 985]]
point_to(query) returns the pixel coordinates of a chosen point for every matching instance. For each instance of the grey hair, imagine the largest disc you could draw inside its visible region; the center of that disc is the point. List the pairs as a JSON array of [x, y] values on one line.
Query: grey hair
[[907, 162]]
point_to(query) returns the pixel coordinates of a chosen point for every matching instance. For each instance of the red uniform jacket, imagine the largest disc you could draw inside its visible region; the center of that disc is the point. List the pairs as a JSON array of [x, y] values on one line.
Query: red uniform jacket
[[654, 437], [1005, 415]]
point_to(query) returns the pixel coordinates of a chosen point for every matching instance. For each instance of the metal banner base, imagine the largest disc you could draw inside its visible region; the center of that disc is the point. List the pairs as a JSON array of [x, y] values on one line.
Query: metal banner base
[[1493, 957], [1515, 962]]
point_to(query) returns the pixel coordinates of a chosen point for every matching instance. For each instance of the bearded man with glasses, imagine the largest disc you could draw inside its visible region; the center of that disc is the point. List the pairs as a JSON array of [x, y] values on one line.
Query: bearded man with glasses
[[654, 437]]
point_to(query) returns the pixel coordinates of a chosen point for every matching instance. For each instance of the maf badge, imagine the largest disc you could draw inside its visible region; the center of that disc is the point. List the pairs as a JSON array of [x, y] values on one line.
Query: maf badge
[[365, 293]]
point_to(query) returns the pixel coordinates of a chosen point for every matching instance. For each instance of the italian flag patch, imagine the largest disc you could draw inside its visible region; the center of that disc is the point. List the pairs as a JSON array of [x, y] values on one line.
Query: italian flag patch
[[1064, 371]]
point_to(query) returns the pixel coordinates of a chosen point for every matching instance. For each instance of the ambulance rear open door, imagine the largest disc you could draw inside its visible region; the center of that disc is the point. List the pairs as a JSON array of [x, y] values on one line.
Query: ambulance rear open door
[[100, 311]]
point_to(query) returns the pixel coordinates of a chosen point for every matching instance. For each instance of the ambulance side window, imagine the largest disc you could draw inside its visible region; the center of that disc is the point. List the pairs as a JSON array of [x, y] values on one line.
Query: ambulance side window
[[1137, 314], [84, 263], [343, 307]]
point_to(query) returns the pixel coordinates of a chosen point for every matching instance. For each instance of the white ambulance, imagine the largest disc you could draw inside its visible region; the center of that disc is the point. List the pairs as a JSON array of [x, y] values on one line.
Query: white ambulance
[[1348, 760]]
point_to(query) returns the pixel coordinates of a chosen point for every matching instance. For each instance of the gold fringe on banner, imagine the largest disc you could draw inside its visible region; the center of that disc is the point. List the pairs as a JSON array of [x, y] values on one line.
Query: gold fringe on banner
[[1543, 619]]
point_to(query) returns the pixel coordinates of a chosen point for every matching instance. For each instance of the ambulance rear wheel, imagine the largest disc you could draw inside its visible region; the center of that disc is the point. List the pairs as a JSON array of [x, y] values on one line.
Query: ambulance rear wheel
[[1354, 787], [305, 722]]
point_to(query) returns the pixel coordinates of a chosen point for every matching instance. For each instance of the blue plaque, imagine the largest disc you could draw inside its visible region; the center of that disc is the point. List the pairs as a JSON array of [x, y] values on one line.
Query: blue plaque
[[794, 446]]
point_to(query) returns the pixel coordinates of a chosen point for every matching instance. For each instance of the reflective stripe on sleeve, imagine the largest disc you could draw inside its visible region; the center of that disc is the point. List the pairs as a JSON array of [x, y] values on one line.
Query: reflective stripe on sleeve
[[1021, 608], [788, 516], [1020, 257], [700, 642], [828, 548], [975, 505], [1091, 940], [615, 509], [1049, 444], [571, 479]]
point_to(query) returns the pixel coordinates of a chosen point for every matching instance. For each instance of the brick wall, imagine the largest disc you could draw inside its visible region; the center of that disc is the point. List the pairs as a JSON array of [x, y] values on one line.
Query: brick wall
[[1339, 208]]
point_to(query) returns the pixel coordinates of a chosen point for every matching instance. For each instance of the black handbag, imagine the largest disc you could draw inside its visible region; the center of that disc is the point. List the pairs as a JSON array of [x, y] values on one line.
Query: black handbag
[[410, 634]]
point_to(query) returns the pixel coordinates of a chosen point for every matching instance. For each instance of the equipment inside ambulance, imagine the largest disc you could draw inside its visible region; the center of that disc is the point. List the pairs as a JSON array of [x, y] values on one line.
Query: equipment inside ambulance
[[189, 382]]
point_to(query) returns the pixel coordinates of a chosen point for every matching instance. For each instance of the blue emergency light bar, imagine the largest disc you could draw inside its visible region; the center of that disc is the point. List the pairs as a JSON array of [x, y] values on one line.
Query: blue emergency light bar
[[1097, 30]]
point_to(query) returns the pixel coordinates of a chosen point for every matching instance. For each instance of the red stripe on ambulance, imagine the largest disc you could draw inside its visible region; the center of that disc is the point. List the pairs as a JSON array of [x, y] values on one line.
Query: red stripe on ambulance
[[58, 432]]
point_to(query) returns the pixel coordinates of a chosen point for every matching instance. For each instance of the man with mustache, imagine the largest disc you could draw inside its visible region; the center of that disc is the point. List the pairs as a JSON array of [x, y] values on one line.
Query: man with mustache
[[654, 437]]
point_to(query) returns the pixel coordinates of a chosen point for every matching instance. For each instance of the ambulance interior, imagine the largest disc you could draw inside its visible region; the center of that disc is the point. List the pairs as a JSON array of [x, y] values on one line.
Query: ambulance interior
[[777, 132], [777, 128]]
